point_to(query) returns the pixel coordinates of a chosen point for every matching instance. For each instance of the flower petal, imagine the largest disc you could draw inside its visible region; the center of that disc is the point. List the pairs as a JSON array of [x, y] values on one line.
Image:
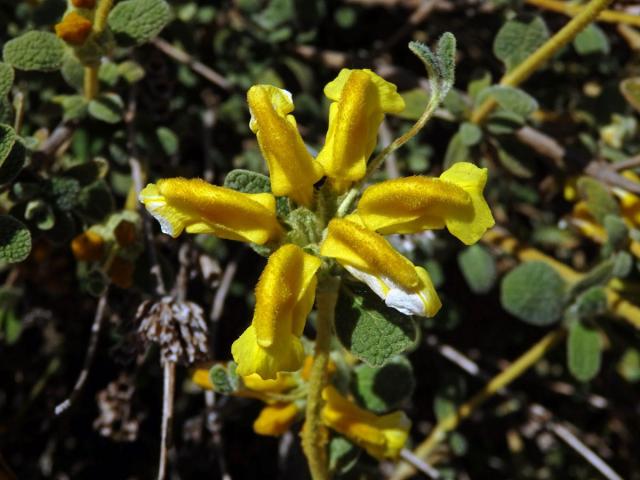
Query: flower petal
[[199, 207], [361, 98], [292, 169], [276, 419]]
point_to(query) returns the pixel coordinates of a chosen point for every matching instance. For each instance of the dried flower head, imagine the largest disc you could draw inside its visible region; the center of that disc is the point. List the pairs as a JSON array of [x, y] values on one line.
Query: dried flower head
[[178, 327]]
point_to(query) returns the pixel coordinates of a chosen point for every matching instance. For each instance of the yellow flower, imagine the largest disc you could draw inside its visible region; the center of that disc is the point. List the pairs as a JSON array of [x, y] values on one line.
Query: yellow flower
[[74, 28], [275, 419], [199, 207], [360, 100], [415, 204], [284, 297], [381, 436], [372, 260], [292, 169]]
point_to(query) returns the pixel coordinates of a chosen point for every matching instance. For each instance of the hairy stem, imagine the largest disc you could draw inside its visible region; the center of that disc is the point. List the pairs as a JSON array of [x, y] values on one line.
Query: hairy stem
[[523, 71], [102, 13], [314, 435], [91, 82]]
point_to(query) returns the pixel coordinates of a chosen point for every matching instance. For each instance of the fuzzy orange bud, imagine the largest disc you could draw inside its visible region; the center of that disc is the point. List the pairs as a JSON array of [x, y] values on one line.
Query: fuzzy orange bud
[[125, 233], [121, 272], [74, 28], [88, 246], [83, 3]]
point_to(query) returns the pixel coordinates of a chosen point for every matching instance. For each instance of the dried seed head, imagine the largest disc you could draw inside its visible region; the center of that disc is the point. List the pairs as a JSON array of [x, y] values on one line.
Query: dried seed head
[[115, 420], [178, 327]]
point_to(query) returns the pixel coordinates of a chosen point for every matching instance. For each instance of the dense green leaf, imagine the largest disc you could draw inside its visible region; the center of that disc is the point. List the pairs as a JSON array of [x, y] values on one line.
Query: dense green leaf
[[534, 292], [511, 99], [591, 40], [381, 389], [478, 268], [6, 78], [7, 139], [630, 88], [14, 163], [107, 107], [518, 38], [35, 51], [135, 22], [370, 330], [15, 240], [470, 134], [583, 351]]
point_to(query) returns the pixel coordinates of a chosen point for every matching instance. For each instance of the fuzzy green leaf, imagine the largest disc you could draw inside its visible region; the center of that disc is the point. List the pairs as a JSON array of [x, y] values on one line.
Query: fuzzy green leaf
[[14, 163], [519, 38], [470, 134], [591, 40], [384, 388], [8, 138], [583, 351], [35, 50], [107, 107], [15, 240], [247, 181], [599, 201], [511, 99], [630, 89], [135, 22], [224, 378], [6, 78], [534, 292], [370, 330], [478, 268]]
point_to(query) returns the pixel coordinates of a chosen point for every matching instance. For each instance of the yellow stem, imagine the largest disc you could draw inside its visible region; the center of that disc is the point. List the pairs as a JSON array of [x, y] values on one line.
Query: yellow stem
[[523, 71], [102, 13], [90, 82], [611, 16], [497, 383], [314, 434]]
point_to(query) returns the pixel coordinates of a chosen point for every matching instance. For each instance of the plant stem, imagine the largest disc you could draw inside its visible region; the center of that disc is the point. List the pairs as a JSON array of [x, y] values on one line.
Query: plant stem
[[497, 383], [102, 13], [314, 435], [167, 416], [611, 16], [90, 82], [523, 71]]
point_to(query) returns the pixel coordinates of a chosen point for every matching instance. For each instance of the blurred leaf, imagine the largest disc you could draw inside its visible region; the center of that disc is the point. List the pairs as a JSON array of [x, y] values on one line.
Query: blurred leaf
[[478, 268], [591, 303], [224, 378], [415, 100], [478, 84], [343, 455], [6, 78], [534, 292], [74, 107], [630, 89], [370, 330], [591, 40], [456, 152], [64, 191], [14, 163], [107, 107], [382, 389], [511, 99], [73, 72], [7, 138], [168, 140], [518, 38], [95, 201], [131, 71], [599, 201], [108, 73], [15, 240], [470, 134], [35, 50], [135, 22], [504, 122], [40, 214], [583, 351], [629, 365]]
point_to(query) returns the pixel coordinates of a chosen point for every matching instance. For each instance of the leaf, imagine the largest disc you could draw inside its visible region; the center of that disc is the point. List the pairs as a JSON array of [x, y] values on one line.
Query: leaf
[[15, 240], [168, 140], [415, 100], [95, 201], [470, 134], [224, 378], [478, 268], [629, 365], [74, 107], [14, 163], [600, 202], [247, 181], [446, 54], [135, 22], [371, 331], [519, 38], [343, 455], [591, 40], [534, 292], [107, 107], [8, 138], [583, 351], [131, 71], [6, 78], [456, 152], [383, 389], [590, 303], [630, 89], [35, 50], [73, 72], [504, 122], [511, 99], [40, 214]]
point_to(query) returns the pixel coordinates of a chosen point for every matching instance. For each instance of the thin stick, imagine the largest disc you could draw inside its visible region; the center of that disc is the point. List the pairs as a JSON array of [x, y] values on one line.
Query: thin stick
[[89, 356], [419, 464], [533, 62], [198, 67], [169, 380], [627, 164], [568, 8]]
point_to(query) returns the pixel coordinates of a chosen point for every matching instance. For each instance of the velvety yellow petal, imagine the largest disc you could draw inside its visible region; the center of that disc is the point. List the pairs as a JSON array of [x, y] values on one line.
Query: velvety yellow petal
[[381, 436], [201, 378], [276, 419], [353, 245], [281, 383], [284, 355], [414, 204], [361, 98], [292, 169], [469, 226], [198, 207], [284, 298]]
